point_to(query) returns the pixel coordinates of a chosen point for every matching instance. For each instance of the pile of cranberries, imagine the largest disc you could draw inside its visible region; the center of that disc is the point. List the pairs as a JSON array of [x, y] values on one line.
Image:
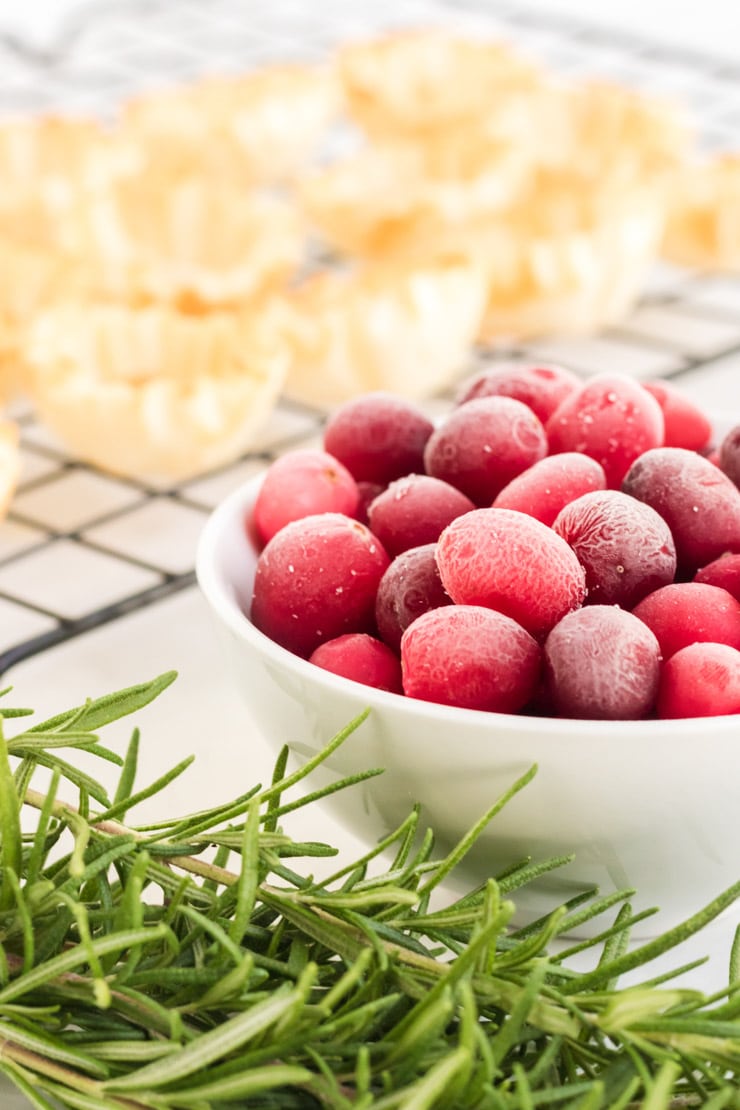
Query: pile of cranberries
[[551, 546]]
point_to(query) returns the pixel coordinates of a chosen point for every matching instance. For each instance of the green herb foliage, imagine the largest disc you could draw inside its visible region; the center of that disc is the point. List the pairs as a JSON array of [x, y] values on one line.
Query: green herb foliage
[[194, 963]]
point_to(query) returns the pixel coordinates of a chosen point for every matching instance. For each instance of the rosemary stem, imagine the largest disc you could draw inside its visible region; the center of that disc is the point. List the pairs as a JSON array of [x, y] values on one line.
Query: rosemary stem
[[41, 1065]]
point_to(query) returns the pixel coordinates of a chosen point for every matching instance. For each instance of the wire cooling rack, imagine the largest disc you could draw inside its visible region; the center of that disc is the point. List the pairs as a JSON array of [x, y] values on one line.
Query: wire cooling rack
[[81, 548]]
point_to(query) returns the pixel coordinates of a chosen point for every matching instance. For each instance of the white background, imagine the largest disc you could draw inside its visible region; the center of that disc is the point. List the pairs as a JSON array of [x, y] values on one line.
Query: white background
[[712, 25]]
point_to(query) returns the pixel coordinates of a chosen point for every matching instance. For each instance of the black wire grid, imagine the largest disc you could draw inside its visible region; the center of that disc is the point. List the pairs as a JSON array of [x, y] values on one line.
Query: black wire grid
[[81, 548]]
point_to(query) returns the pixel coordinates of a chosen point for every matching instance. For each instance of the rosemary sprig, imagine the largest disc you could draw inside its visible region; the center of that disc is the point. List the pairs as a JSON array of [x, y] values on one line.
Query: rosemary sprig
[[184, 964]]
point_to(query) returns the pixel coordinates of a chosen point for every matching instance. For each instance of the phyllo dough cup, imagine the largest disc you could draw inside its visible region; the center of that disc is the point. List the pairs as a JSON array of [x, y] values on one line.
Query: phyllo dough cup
[[575, 267], [378, 327], [394, 199], [32, 276], [153, 393], [703, 229], [413, 84], [57, 162], [257, 127], [10, 463], [606, 128], [191, 243]]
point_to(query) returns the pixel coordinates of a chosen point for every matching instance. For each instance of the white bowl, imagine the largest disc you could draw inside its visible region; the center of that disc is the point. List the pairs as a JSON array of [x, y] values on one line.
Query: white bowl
[[650, 805]]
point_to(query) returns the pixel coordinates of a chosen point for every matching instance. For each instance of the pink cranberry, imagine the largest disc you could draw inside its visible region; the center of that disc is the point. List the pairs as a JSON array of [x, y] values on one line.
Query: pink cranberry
[[723, 572], [701, 680], [550, 484], [602, 663], [303, 483], [685, 424], [698, 502], [509, 561], [317, 579], [483, 444], [729, 455], [410, 586], [367, 491], [624, 546], [361, 658], [689, 612], [612, 419], [469, 656], [413, 511], [378, 437], [541, 388]]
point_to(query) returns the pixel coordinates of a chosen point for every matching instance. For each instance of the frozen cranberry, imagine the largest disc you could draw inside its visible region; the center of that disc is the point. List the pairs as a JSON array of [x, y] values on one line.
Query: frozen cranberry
[[509, 561], [701, 680], [410, 586], [483, 444], [361, 658], [698, 502], [602, 663], [688, 613], [469, 656], [317, 579], [610, 418], [624, 546], [378, 437], [367, 491], [413, 511], [685, 424], [303, 483], [550, 484], [723, 572], [541, 388], [729, 455]]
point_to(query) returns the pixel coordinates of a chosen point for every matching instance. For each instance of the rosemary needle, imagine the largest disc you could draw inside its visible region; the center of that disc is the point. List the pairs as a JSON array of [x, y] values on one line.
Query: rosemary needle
[[137, 973]]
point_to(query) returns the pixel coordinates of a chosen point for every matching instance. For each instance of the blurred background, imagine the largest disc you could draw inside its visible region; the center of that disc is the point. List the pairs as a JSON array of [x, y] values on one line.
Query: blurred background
[[706, 26]]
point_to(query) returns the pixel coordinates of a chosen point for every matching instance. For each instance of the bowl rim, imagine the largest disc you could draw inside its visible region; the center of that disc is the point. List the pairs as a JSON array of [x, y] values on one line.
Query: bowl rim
[[221, 597]]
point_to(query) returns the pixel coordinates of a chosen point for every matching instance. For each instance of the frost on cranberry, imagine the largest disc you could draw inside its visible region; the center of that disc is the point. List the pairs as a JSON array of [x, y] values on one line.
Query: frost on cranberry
[[550, 484], [471, 657], [303, 483], [378, 437], [413, 511], [410, 586], [317, 579], [698, 502], [361, 658], [483, 444], [509, 561], [602, 663], [685, 424], [723, 572], [729, 455], [610, 418], [701, 680], [624, 546], [541, 388], [689, 612]]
